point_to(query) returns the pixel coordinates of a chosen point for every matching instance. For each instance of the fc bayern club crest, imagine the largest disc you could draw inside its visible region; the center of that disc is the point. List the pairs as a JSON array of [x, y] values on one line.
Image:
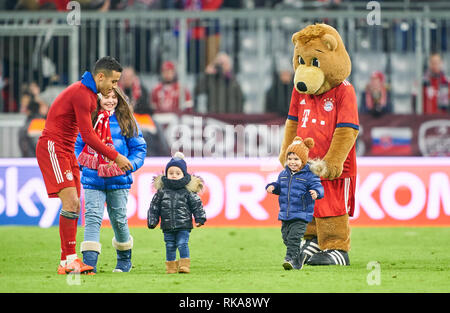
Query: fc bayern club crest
[[328, 106], [69, 175]]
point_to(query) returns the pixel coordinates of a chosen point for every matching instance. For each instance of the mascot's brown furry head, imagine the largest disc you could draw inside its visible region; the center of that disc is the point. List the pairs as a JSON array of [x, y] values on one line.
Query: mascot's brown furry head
[[320, 60]]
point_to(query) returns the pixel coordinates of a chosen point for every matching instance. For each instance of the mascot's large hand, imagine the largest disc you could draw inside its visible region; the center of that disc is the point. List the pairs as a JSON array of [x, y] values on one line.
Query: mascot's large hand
[[332, 164]]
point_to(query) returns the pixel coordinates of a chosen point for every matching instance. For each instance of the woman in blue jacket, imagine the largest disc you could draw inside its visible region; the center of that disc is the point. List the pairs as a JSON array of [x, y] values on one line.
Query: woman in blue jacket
[[298, 188], [104, 182]]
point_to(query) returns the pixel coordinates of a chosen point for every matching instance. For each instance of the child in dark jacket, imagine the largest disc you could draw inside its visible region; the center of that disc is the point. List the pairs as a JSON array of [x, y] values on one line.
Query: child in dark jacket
[[175, 202], [298, 188]]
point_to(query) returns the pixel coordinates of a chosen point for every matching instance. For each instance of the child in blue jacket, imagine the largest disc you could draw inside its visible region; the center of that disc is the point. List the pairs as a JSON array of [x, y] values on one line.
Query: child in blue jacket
[[298, 188], [104, 182]]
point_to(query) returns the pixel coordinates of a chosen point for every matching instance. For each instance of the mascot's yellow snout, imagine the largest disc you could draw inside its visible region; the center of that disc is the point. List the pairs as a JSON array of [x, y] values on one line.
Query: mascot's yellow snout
[[308, 79]]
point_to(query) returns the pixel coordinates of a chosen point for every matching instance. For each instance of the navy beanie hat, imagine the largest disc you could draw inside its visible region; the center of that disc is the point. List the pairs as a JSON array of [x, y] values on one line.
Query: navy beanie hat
[[178, 161]]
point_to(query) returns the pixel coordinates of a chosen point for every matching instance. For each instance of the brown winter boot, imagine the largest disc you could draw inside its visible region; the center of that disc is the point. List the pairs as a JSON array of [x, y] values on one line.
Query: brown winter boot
[[184, 265], [171, 267]]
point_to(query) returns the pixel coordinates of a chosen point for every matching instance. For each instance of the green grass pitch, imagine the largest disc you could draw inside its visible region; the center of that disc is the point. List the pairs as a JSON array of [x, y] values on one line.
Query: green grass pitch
[[232, 260]]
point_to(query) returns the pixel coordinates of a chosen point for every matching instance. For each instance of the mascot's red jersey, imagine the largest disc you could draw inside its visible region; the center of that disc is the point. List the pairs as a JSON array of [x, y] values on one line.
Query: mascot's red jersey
[[319, 115]]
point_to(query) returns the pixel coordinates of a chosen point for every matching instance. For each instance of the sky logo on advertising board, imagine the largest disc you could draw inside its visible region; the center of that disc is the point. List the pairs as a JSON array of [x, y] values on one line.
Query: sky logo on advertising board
[[24, 199], [391, 141]]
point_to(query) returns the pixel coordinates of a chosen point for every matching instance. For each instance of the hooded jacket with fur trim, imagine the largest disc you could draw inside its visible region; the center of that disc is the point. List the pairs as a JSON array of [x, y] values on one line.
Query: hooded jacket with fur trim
[[175, 202], [294, 198]]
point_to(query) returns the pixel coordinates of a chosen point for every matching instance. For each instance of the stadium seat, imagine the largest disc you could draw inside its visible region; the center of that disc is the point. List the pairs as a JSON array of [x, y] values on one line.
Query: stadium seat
[[363, 65], [403, 78]]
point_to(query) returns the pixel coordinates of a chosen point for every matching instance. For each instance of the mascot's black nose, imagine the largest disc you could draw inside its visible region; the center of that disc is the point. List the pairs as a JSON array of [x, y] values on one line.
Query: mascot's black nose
[[301, 86]]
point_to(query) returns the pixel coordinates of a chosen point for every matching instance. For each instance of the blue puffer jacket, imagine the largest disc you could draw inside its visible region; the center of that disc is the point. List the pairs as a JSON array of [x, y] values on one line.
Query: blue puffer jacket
[[134, 148], [294, 198]]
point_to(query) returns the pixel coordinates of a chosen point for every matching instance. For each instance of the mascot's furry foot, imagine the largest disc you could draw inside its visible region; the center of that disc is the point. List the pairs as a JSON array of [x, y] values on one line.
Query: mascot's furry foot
[[330, 257], [308, 248]]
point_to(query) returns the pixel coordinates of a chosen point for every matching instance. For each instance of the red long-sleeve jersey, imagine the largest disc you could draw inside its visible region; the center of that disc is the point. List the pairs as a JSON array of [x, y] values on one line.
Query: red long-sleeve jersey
[[69, 114]]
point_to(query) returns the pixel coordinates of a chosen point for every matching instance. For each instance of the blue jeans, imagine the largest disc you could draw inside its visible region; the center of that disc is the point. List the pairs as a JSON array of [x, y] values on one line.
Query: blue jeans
[[116, 201], [177, 240]]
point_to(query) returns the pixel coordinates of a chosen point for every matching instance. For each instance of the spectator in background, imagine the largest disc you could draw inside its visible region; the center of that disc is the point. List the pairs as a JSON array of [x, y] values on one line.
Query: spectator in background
[[435, 87], [203, 34], [137, 98], [109, 5], [60, 5], [36, 110], [217, 90], [8, 5], [375, 98], [2, 83], [9, 92], [134, 90], [165, 96], [278, 97], [31, 96]]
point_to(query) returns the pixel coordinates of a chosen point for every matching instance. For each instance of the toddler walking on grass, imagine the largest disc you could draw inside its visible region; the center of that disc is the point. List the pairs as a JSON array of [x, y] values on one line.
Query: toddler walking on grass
[[174, 203], [298, 188]]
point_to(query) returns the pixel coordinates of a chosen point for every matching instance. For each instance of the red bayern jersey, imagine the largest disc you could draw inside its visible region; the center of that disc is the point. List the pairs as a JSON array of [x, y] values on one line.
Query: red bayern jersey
[[69, 114], [319, 115], [165, 98]]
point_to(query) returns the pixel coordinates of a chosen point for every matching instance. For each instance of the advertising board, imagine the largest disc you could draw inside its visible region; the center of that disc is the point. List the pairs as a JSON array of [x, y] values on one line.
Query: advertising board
[[394, 191]]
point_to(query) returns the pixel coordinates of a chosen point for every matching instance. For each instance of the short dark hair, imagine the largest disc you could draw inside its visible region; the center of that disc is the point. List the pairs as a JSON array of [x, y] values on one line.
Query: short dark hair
[[107, 65]]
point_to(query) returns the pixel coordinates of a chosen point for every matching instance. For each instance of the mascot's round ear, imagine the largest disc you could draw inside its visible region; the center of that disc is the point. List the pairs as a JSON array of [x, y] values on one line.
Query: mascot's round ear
[[295, 38], [330, 42]]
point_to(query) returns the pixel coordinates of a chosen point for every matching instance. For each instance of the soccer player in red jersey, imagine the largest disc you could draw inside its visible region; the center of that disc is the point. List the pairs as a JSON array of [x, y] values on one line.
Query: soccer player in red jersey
[[69, 115]]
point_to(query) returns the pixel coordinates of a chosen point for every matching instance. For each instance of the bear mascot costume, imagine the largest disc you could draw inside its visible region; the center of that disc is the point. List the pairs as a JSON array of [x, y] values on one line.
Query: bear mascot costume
[[323, 106]]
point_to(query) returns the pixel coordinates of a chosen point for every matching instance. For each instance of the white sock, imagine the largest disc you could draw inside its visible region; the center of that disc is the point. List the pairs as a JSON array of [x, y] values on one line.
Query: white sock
[[63, 262], [71, 257]]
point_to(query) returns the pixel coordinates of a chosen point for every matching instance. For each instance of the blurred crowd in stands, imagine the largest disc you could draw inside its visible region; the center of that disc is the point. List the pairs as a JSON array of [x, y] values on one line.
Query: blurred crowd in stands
[[110, 5]]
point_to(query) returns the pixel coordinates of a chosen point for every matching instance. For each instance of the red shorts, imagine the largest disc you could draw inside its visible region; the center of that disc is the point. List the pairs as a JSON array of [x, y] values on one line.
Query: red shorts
[[339, 198], [59, 168]]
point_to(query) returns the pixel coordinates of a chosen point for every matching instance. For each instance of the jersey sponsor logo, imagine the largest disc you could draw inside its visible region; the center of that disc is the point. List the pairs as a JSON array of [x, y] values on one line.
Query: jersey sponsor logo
[[303, 101], [305, 117]]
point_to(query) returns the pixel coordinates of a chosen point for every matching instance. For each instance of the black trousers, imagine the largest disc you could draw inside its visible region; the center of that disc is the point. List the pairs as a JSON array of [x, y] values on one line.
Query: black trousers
[[292, 233]]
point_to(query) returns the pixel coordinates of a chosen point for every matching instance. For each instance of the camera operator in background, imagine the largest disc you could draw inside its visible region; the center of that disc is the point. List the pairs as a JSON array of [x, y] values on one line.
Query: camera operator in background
[[217, 90]]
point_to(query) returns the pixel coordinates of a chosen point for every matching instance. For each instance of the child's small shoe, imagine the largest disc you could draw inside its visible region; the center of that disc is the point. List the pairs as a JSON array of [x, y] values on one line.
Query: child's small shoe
[[288, 265], [91, 251], [123, 261], [123, 250], [171, 267], [185, 265]]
